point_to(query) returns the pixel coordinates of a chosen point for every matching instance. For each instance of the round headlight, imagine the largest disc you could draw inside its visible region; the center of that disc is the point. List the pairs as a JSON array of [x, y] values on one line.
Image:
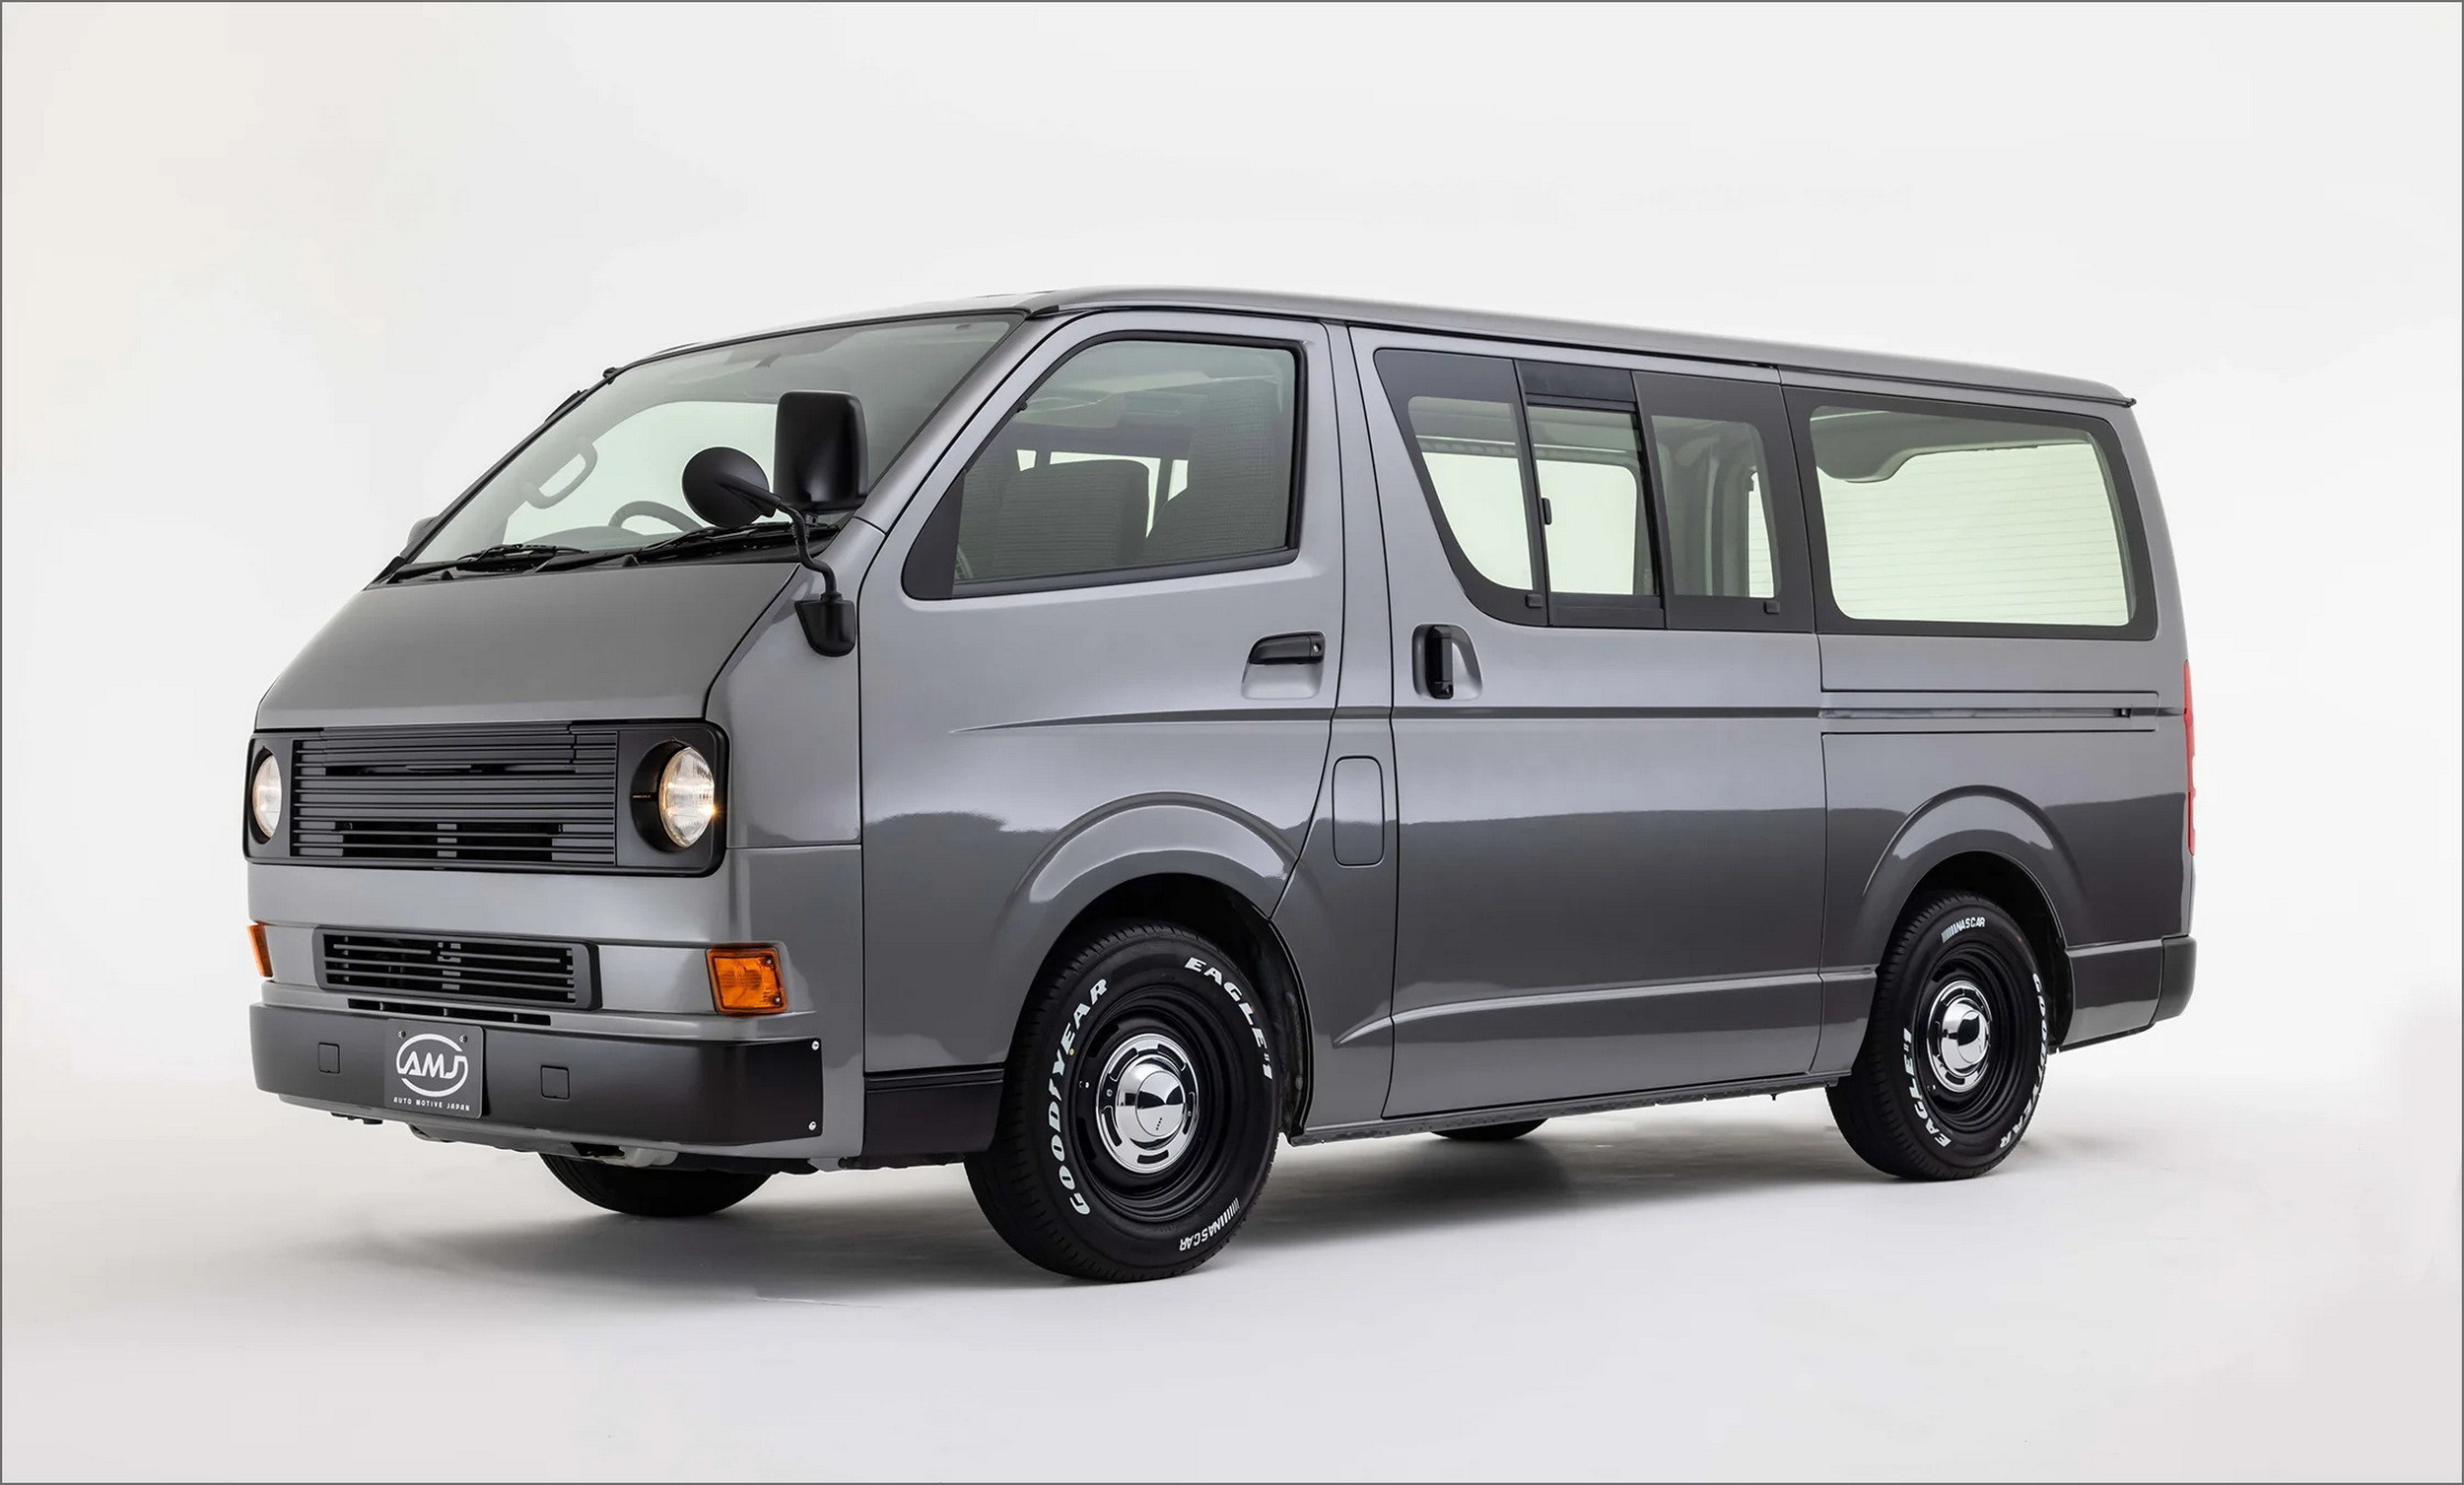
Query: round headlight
[[688, 797], [266, 796]]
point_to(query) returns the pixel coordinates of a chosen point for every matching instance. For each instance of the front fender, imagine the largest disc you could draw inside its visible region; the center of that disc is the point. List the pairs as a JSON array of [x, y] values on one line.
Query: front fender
[[1171, 834]]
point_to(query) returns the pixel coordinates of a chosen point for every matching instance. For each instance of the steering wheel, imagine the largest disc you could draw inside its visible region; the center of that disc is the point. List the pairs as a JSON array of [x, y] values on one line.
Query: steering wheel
[[656, 512]]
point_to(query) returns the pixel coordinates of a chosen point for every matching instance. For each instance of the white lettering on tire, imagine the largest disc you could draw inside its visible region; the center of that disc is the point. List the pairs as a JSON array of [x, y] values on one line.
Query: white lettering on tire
[[1206, 1234], [2036, 1089], [1257, 1034], [1058, 1080], [1916, 1091]]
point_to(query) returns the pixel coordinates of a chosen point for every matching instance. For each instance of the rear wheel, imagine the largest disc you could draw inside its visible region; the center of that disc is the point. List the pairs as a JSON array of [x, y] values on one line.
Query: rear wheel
[[1140, 1114], [1482, 1133], [1955, 1053], [653, 1192]]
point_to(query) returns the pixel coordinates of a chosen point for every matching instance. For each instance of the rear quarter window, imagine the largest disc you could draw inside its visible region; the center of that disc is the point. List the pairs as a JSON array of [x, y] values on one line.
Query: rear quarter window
[[1984, 521]]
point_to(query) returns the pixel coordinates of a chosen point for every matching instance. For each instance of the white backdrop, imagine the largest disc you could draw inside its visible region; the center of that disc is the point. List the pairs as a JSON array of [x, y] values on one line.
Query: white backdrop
[[279, 281]]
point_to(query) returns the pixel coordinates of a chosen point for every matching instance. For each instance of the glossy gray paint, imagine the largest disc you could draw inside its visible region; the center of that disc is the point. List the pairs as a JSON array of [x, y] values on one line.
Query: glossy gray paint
[[1702, 350], [2062, 756], [617, 644], [1024, 753], [1336, 917], [1610, 854], [1623, 866]]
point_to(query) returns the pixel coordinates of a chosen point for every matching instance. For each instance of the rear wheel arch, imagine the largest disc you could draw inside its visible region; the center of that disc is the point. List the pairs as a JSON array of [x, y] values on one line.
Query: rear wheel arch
[[2008, 884], [1984, 841]]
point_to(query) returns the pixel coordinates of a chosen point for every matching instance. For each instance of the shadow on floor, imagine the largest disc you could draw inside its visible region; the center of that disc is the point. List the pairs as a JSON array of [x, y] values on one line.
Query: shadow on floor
[[861, 1239]]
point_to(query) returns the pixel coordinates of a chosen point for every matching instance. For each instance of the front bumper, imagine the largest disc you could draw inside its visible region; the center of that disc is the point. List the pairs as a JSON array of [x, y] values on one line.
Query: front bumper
[[648, 936], [548, 1089]]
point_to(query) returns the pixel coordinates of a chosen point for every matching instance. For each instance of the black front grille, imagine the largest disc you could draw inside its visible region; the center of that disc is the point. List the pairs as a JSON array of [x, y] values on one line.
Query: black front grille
[[525, 971], [467, 796]]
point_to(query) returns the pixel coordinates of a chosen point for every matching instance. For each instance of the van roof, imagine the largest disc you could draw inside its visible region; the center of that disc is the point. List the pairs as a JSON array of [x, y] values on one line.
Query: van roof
[[1370, 312]]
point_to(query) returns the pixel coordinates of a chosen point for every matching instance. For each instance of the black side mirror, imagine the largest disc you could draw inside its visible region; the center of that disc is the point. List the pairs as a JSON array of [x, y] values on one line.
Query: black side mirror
[[726, 488], [820, 458], [820, 451]]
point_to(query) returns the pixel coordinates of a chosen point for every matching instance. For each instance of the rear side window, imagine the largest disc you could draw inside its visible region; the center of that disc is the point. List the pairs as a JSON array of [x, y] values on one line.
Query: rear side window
[[1931, 518], [1588, 462], [1134, 455], [1473, 456], [1717, 484], [1596, 497]]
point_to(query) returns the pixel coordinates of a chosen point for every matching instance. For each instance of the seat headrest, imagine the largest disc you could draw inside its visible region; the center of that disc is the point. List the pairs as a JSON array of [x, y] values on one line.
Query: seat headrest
[[1240, 488], [1084, 516]]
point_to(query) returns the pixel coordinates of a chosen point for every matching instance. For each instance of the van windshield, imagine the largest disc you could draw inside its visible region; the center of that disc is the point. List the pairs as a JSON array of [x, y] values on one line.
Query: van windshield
[[607, 475]]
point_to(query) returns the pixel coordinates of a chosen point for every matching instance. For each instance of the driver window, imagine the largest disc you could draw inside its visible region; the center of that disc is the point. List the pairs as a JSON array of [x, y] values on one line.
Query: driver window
[[1135, 454], [630, 478]]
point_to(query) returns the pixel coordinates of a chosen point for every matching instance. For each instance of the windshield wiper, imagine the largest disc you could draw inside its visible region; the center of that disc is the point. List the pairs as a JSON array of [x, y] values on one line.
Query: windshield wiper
[[715, 536], [540, 557], [486, 559], [689, 544]]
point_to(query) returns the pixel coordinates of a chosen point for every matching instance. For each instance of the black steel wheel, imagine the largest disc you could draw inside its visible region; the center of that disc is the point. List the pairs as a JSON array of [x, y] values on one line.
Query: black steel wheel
[[1954, 1053], [1140, 1112]]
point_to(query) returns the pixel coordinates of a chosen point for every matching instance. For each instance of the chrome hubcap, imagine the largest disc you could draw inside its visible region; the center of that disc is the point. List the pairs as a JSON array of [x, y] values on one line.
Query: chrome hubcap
[[1147, 1104], [1958, 1034]]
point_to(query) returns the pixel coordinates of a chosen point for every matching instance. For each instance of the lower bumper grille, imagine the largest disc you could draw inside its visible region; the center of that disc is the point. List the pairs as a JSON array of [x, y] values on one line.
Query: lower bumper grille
[[508, 971]]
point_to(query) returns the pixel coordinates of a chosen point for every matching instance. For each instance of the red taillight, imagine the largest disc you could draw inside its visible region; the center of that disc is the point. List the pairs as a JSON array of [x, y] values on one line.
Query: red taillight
[[2190, 768]]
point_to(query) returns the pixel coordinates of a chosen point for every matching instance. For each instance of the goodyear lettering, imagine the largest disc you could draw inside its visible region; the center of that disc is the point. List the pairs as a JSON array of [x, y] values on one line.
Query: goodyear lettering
[[1051, 1088]]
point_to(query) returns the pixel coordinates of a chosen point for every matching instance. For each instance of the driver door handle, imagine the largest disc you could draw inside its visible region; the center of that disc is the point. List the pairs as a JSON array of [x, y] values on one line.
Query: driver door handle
[[1289, 649]]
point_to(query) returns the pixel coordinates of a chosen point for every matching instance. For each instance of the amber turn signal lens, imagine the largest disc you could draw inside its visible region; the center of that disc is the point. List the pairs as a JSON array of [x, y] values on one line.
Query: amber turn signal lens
[[744, 979], [264, 955]]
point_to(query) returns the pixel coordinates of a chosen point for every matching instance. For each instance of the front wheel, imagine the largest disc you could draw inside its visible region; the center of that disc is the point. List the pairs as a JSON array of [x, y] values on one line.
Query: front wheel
[[1955, 1053], [653, 1192], [1140, 1112]]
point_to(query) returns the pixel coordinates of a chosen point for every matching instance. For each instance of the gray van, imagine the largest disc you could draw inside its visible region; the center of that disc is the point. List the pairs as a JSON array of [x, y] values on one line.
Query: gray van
[[1094, 735]]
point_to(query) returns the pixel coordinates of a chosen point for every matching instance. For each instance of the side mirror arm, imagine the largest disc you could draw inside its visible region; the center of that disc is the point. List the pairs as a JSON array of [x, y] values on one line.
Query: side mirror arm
[[830, 620]]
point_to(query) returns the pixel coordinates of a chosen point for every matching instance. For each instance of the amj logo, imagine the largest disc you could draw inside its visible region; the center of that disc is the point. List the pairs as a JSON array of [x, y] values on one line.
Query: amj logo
[[431, 1066]]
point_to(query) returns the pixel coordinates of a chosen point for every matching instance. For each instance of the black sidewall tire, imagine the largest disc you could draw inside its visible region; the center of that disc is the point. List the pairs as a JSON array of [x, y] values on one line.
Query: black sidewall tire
[[1892, 1113], [653, 1192], [1494, 1133], [1049, 1191]]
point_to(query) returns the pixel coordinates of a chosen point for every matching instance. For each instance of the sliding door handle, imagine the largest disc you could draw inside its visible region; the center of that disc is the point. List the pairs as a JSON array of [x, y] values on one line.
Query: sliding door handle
[[1289, 649], [1435, 644]]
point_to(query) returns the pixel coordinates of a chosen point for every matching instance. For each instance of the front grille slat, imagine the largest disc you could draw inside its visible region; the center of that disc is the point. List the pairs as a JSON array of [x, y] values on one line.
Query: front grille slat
[[497, 795], [525, 971]]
